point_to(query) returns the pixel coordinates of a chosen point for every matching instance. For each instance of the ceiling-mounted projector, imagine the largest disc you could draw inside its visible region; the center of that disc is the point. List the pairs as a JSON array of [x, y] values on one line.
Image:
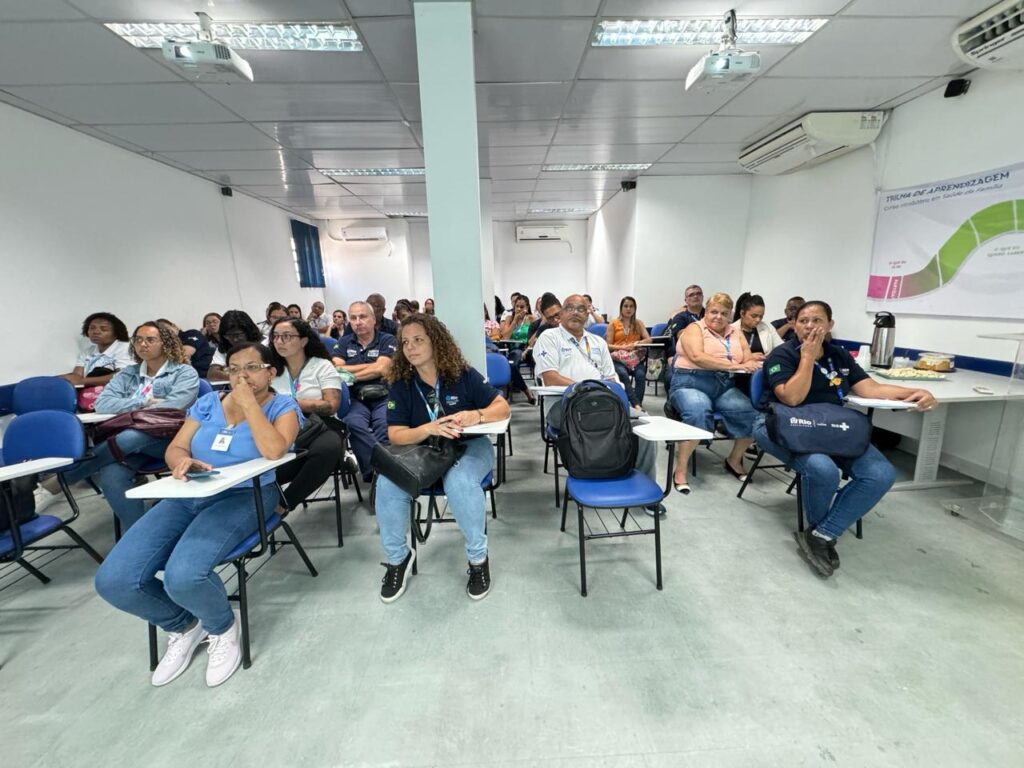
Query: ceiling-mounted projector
[[206, 60], [727, 65]]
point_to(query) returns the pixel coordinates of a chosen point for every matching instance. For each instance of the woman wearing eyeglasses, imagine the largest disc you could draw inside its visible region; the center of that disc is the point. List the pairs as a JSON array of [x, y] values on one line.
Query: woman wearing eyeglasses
[[160, 378], [187, 538], [709, 351], [305, 372]]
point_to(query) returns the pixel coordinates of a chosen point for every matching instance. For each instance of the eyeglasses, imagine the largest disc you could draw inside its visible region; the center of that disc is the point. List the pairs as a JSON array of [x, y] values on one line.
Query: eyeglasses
[[579, 309], [283, 336], [145, 340], [234, 370]]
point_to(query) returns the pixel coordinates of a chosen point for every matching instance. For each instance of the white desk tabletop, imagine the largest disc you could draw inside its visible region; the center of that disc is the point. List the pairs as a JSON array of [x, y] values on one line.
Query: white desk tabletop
[[15, 471], [94, 418], [489, 428], [958, 386], [661, 428], [548, 390], [169, 488], [879, 404]]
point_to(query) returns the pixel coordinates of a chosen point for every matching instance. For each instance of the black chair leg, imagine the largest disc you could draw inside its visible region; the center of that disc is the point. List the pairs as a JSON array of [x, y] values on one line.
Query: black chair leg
[[622, 522], [494, 507], [359, 492], [412, 530], [583, 552], [33, 570], [509, 433], [792, 485], [299, 548], [657, 550], [558, 498], [337, 507], [547, 451], [693, 462], [92, 484], [860, 529], [153, 658], [243, 608], [565, 507], [799, 505], [82, 543]]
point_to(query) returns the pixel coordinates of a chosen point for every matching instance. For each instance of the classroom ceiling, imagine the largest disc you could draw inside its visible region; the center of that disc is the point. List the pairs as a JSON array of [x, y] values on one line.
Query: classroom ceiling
[[544, 95]]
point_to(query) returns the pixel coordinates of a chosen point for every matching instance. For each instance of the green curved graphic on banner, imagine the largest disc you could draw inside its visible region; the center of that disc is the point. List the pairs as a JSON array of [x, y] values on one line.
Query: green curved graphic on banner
[[999, 219]]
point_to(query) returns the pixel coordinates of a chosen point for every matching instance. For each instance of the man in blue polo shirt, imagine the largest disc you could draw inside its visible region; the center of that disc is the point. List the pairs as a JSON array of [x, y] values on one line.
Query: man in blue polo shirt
[[366, 353]]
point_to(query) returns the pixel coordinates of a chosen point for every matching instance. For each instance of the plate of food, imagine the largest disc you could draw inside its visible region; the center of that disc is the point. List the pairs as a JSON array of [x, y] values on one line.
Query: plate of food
[[909, 374]]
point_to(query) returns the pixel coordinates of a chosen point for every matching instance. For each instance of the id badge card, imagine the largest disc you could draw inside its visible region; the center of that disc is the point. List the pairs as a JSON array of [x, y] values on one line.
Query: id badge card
[[223, 440]]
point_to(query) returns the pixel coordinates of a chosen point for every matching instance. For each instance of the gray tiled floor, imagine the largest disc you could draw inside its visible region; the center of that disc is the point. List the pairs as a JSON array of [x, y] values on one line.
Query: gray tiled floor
[[911, 655]]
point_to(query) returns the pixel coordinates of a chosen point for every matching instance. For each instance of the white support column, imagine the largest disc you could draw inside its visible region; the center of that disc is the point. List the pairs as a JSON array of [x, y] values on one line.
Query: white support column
[[487, 247], [444, 46]]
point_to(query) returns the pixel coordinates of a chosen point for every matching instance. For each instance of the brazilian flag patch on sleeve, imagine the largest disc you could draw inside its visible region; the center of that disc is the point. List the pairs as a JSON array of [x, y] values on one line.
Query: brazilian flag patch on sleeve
[[774, 369], [391, 405]]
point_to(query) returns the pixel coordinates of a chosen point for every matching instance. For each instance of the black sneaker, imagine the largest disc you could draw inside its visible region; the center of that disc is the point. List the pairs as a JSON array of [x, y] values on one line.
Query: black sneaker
[[479, 580], [833, 556], [393, 584], [815, 549]]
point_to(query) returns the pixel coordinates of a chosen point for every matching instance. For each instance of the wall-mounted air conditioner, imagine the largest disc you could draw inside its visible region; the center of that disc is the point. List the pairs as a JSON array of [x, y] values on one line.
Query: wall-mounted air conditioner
[[993, 39], [532, 232], [814, 138], [363, 234]]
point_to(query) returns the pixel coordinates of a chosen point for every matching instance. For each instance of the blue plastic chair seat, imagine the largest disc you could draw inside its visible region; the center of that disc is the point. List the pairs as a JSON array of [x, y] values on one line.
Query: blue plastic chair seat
[[31, 531], [634, 490], [252, 540]]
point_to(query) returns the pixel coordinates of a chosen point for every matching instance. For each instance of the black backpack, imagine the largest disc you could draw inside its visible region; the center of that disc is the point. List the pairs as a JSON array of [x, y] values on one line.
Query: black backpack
[[24, 503], [596, 441]]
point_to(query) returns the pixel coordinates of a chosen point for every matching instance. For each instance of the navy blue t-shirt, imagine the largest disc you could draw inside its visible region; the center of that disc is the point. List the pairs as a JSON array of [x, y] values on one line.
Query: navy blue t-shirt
[[349, 350], [408, 409], [204, 350], [782, 362], [790, 334], [676, 324]]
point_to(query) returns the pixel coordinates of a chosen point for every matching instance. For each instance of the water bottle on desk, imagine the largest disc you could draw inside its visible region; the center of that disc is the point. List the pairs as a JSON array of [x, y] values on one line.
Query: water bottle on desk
[[883, 340]]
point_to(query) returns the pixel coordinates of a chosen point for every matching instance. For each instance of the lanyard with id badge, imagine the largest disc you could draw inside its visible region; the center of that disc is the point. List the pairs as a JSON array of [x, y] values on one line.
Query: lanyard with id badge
[[437, 409], [222, 442]]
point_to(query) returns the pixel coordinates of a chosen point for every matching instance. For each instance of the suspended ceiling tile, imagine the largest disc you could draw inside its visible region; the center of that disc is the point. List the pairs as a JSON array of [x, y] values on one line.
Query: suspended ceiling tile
[[364, 158], [516, 133], [394, 190], [124, 103], [510, 197], [598, 184], [279, 191], [873, 47], [408, 95], [171, 138], [392, 42], [28, 106], [512, 185], [268, 101], [608, 153], [926, 87], [702, 153], [404, 201], [529, 50], [960, 9], [594, 197], [238, 160], [310, 66], [37, 10], [380, 7], [693, 169], [221, 10], [641, 98], [608, 178], [536, 7], [733, 130], [512, 155], [62, 53], [286, 177], [117, 141], [659, 63], [636, 9], [341, 135], [626, 130], [520, 101], [499, 172], [802, 95]]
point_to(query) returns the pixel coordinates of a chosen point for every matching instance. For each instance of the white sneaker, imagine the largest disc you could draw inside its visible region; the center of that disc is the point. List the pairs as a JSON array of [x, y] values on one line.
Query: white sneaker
[[180, 647], [225, 653], [44, 498], [635, 412]]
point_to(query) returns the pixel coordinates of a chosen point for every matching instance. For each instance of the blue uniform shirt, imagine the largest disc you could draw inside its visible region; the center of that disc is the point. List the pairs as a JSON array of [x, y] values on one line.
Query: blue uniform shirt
[[210, 415], [408, 409], [349, 350]]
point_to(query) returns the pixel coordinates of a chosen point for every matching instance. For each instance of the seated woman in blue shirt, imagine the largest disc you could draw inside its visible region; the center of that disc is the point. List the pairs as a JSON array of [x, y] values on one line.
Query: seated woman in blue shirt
[[435, 393], [187, 538], [160, 378], [809, 369]]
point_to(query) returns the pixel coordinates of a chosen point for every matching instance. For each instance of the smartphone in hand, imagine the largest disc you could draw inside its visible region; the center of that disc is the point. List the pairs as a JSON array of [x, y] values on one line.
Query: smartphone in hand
[[200, 474]]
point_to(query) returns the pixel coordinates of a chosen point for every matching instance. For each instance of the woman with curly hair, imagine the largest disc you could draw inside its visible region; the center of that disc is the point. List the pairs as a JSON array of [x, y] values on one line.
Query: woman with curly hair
[[107, 353], [160, 379], [435, 393]]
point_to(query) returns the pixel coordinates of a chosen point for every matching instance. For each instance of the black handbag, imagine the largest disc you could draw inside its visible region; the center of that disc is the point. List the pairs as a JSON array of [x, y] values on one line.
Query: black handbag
[[819, 428], [312, 428], [416, 467], [371, 392]]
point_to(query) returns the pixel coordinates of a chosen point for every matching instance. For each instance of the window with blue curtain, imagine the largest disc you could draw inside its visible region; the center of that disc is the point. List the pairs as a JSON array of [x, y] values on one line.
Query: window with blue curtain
[[309, 266]]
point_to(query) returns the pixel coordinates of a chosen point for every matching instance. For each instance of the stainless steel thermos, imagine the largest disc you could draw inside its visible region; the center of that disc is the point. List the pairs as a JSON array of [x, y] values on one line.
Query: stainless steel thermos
[[883, 340]]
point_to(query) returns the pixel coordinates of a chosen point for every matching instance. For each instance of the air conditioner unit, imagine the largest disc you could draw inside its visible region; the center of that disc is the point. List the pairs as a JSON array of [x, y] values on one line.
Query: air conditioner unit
[[532, 232], [363, 234], [993, 39], [814, 138]]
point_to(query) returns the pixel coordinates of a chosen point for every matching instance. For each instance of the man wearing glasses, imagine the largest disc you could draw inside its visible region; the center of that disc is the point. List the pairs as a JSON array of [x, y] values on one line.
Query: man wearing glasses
[[570, 354]]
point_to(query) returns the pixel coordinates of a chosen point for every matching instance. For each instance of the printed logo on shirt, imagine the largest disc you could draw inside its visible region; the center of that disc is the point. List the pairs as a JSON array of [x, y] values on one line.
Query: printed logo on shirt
[[350, 352], [844, 371], [373, 353], [451, 400], [392, 405], [774, 369]]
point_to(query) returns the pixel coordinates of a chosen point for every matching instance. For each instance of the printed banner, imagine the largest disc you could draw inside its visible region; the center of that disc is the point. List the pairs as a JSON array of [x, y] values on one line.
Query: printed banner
[[952, 248]]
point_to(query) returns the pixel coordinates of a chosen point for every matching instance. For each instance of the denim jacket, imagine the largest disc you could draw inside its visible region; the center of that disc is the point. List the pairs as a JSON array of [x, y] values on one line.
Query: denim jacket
[[176, 386]]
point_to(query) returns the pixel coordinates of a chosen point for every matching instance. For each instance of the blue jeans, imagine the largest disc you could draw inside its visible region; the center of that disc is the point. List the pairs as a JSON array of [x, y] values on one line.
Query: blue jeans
[[697, 396], [465, 497], [871, 475], [186, 539], [634, 382], [114, 479], [367, 427]]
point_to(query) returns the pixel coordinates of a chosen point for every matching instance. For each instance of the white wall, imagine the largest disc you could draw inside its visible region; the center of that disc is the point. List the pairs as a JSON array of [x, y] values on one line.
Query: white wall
[[536, 267], [88, 227], [355, 270], [611, 250]]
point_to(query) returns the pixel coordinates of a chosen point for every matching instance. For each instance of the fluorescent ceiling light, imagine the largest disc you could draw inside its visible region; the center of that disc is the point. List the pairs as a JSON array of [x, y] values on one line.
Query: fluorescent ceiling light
[[373, 171], [703, 31], [560, 210], [597, 167], [400, 214], [247, 36]]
